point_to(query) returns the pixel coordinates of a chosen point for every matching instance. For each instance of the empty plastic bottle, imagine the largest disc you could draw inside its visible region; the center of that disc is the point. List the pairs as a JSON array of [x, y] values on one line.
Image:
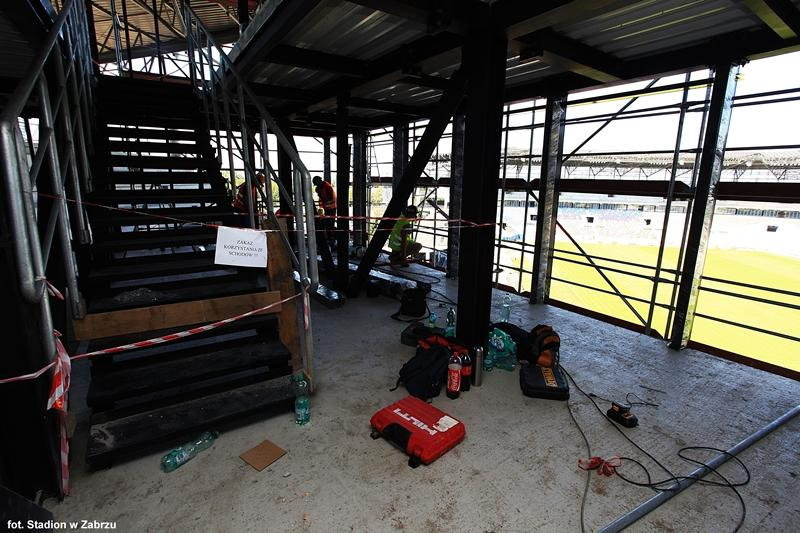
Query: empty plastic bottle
[[182, 454], [505, 313], [302, 403], [450, 328]]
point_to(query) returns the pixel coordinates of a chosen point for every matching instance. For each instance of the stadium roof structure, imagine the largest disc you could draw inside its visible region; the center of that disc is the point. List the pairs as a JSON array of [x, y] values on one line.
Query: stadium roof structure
[[396, 57]]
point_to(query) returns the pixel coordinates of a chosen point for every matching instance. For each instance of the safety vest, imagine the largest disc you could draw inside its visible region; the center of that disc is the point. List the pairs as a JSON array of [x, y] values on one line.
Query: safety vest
[[327, 196], [240, 202], [396, 236]]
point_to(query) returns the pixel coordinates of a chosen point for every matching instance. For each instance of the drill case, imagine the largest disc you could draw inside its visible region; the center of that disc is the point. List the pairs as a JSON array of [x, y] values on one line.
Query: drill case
[[547, 382], [421, 430]]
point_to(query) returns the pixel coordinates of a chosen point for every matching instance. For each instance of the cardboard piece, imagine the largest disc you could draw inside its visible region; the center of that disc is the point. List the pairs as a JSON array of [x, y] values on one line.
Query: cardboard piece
[[263, 455], [241, 247]]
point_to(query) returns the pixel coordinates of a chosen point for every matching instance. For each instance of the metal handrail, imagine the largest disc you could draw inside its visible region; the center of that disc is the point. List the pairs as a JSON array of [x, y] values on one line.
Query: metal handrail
[[216, 84], [64, 141]]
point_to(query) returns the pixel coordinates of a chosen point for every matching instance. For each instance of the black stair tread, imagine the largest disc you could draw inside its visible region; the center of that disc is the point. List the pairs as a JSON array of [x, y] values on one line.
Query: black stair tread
[[148, 133], [155, 162], [123, 117], [159, 196], [161, 258], [104, 218], [154, 147], [195, 290], [123, 272], [156, 178], [225, 358], [137, 240], [197, 343], [120, 83], [122, 436]]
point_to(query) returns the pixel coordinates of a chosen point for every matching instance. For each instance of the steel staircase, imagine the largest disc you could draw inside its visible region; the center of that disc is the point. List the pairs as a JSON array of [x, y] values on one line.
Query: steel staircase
[[155, 250]]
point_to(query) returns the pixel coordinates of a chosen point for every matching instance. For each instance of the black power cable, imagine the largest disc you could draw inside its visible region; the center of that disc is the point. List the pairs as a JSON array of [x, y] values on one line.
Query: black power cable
[[667, 483]]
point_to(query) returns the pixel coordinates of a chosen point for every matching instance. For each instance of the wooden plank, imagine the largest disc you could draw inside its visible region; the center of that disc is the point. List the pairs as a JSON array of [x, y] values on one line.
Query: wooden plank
[[115, 323], [281, 278]]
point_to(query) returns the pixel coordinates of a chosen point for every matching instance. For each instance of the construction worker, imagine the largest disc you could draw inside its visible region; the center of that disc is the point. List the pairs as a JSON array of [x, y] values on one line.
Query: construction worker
[[401, 241], [242, 199], [327, 201]]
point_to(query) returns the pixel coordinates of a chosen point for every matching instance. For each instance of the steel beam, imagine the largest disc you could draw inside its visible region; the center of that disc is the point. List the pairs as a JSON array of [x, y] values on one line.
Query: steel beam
[[399, 152], [391, 107], [571, 55], [456, 184], [243, 14], [405, 186], [317, 60], [359, 188], [547, 208], [286, 17], [342, 191], [781, 16], [484, 60], [716, 135]]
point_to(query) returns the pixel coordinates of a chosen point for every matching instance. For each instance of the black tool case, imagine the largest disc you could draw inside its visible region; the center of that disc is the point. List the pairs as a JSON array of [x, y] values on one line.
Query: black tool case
[[545, 382]]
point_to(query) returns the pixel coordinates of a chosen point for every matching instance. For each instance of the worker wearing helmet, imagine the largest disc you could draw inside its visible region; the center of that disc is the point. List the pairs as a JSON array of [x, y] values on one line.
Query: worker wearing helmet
[[401, 241], [327, 202]]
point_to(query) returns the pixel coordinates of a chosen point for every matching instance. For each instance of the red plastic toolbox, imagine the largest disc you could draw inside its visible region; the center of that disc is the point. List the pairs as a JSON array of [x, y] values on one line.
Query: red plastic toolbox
[[424, 432]]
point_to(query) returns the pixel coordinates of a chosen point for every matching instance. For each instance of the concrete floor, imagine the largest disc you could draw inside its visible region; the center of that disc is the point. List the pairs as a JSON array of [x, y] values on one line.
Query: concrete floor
[[516, 470]]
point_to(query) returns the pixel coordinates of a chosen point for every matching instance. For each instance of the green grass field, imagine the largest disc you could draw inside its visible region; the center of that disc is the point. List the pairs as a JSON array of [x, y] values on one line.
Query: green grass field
[[757, 268]]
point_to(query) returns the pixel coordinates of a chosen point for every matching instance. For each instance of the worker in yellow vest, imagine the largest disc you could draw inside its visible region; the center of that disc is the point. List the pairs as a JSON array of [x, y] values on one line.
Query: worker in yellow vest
[[401, 241]]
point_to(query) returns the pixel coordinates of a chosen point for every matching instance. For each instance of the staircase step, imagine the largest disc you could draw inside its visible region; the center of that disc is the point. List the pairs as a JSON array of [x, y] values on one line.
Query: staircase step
[[126, 272], [113, 438], [200, 289], [156, 178], [165, 258], [212, 215], [227, 357], [154, 162], [154, 147], [131, 117], [138, 240], [150, 133], [158, 196]]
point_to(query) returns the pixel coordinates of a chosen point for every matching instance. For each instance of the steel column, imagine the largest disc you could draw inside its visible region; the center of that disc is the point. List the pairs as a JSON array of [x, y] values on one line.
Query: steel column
[[286, 180], [399, 153], [405, 186], [456, 182], [342, 191], [484, 60], [547, 208], [360, 188], [705, 196], [326, 159]]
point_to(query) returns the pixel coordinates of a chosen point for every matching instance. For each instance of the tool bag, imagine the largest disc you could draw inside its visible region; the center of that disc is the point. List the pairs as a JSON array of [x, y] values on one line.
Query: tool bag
[[424, 374], [422, 431], [413, 304], [547, 382], [541, 376]]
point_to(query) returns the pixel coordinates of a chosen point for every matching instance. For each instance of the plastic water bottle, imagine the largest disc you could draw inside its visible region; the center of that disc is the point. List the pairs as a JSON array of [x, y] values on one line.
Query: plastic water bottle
[[450, 328], [182, 454], [432, 319], [505, 313], [302, 403]]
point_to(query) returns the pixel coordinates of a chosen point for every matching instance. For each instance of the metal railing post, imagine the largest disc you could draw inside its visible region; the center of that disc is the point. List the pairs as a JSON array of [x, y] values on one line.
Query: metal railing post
[[60, 203]]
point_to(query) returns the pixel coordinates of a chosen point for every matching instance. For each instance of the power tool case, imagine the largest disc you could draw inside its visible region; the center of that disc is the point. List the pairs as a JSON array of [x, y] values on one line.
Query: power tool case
[[422, 431], [545, 382]]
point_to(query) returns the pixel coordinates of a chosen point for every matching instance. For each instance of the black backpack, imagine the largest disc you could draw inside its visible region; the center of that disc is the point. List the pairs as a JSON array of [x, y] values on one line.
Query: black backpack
[[424, 374], [414, 304]]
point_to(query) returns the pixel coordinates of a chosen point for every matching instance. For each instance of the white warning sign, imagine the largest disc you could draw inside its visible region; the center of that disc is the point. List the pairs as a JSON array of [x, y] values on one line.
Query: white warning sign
[[241, 247]]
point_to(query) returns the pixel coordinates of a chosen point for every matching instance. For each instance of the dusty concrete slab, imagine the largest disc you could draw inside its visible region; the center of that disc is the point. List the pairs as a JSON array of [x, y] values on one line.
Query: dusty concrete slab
[[516, 470]]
